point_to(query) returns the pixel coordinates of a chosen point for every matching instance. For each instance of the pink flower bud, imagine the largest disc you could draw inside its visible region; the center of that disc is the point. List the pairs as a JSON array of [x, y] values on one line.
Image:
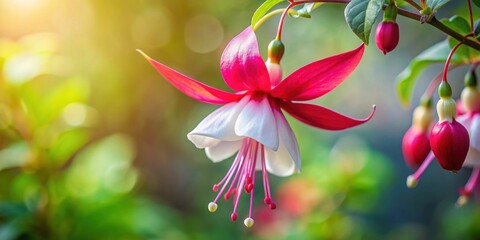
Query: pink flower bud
[[450, 142], [415, 147], [387, 36]]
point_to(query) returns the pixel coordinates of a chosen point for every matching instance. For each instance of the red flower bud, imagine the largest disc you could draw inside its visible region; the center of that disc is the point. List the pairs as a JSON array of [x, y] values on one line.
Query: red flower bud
[[415, 147], [450, 142], [387, 36]]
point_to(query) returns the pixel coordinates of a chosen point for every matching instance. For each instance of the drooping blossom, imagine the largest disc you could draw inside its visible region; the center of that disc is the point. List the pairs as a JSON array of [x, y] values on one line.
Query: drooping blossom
[[449, 139], [387, 34], [416, 142], [471, 120], [251, 123]]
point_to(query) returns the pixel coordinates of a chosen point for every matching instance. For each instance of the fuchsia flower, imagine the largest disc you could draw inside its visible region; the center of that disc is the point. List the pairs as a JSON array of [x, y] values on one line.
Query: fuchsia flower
[[471, 120], [449, 139], [251, 122], [387, 36], [416, 142]]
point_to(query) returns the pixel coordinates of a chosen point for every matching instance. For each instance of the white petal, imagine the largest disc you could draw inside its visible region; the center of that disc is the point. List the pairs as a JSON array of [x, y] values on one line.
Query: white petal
[[258, 122], [464, 120], [219, 125], [473, 158], [286, 160], [474, 132], [222, 150]]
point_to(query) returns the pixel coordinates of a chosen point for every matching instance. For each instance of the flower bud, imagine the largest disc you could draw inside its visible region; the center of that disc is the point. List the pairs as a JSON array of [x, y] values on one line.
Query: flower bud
[[416, 144], [275, 51], [387, 36], [415, 147], [470, 94], [450, 142]]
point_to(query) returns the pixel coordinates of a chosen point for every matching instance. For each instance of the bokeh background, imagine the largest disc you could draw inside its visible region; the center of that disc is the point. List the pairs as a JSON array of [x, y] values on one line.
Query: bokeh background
[[93, 141]]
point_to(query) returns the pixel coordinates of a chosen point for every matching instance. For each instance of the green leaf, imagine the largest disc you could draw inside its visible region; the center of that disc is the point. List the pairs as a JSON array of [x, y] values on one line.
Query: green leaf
[[460, 25], [457, 23], [306, 10], [436, 4], [477, 2], [361, 15], [263, 9], [437, 53]]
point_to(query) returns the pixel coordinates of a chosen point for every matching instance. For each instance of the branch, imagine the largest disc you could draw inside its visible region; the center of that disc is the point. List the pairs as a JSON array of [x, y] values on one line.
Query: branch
[[432, 21], [442, 27]]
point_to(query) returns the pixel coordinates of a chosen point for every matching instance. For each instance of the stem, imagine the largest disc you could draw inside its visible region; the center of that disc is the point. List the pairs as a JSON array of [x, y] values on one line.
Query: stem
[[445, 69], [414, 4], [432, 21], [282, 20], [471, 14], [294, 3], [269, 15], [440, 26]]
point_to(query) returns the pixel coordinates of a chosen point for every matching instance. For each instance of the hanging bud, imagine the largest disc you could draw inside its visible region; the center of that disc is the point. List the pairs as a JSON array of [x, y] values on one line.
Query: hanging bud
[[387, 34], [275, 53], [416, 144], [470, 94], [449, 139]]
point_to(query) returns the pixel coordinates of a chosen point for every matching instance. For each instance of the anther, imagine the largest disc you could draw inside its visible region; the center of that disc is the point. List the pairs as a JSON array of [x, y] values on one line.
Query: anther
[[411, 182], [462, 201], [272, 205], [249, 222], [212, 207], [248, 187], [215, 188], [227, 196], [233, 217], [267, 200]]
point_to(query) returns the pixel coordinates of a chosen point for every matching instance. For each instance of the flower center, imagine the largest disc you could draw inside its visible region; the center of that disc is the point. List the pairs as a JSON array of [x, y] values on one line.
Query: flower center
[[241, 177]]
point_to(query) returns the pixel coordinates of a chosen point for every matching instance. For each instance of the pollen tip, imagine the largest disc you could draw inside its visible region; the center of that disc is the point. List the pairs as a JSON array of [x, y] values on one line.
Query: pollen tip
[[215, 187], [267, 200], [462, 201], [212, 207], [249, 222], [227, 196], [249, 188], [143, 54], [272, 205], [411, 182], [233, 217]]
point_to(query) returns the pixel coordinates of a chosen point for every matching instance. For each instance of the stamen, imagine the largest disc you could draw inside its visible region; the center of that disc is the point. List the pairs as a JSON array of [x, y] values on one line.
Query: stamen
[[230, 173], [212, 207], [266, 184], [249, 222], [241, 176], [251, 184], [467, 191], [412, 180]]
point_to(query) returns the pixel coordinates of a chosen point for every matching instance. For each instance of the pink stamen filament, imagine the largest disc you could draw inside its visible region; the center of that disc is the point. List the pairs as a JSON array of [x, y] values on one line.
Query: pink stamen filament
[[229, 174], [472, 182], [253, 181], [232, 168], [424, 166]]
